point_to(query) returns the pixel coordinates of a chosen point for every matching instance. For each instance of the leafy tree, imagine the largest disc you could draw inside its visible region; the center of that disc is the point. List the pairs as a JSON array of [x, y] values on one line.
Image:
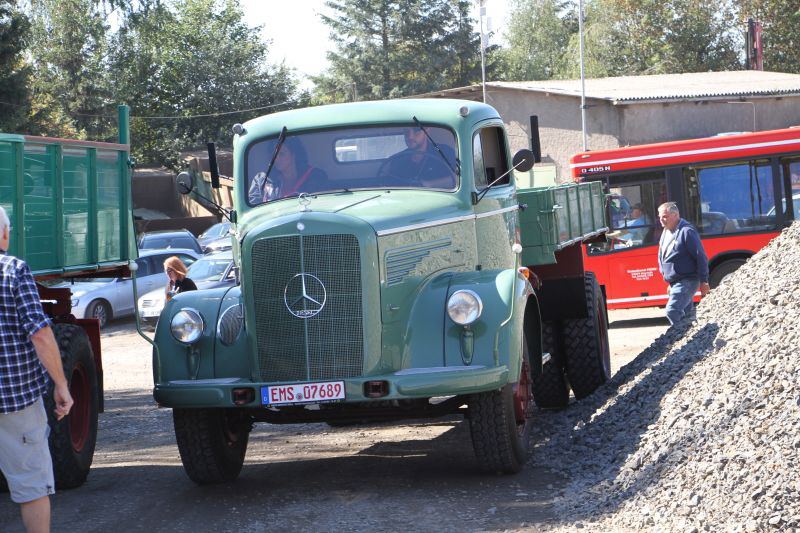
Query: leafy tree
[[538, 38], [69, 82], [14, 102], [392, 48], [628, 37], [190, 63], [780, 20]]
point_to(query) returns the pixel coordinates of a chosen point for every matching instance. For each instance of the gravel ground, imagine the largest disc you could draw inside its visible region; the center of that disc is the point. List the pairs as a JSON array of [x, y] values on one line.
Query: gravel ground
[[701, 431]]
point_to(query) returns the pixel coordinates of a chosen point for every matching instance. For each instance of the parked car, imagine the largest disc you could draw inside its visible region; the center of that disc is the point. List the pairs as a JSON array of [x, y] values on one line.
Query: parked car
[[216, 238], [107, 298], [208, 272], [168, 239]]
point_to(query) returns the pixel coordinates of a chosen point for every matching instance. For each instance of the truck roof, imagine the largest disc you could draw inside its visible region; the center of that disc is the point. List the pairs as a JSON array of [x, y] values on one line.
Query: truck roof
[[437, 110]]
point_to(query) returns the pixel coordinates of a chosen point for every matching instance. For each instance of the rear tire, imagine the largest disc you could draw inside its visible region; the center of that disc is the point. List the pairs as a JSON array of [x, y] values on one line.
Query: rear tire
[[500, 423], [100, 310], [587, 358], [73, 438], [723, 270], [212, 443], [550, 389]]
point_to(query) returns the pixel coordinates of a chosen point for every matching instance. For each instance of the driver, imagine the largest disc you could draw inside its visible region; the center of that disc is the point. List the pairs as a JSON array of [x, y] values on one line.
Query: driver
[[421, 163]]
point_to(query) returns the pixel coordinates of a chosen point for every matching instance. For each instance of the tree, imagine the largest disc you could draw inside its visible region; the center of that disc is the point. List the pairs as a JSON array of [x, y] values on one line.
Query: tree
[[538, 38], [780, 20], [392, 48], [14, 95], [190, 63], [69, 82], [628, 37]]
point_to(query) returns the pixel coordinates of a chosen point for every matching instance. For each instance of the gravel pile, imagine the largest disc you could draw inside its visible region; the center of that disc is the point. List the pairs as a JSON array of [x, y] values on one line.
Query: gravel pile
[[702, 431]]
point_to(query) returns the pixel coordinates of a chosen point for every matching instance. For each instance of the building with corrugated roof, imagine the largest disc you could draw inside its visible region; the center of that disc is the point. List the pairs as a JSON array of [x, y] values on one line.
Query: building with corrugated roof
[[630, 110]]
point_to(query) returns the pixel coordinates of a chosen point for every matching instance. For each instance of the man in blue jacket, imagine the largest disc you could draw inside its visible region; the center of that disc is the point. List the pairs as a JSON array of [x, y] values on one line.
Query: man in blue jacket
[[683, 263]]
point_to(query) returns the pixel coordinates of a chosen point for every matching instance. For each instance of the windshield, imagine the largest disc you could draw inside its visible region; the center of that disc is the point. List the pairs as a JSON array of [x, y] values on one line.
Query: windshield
[[208, 269], [155, 243], [217, 230], [381, 157]]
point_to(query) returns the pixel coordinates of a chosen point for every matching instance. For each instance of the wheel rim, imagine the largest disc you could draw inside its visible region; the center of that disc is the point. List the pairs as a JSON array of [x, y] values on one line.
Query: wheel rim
[[523, 397], [99, 312], [79, 414]]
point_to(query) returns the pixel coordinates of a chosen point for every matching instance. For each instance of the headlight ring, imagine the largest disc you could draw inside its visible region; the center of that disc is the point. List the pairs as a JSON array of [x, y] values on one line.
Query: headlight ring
[[464, 307], [187, 325]]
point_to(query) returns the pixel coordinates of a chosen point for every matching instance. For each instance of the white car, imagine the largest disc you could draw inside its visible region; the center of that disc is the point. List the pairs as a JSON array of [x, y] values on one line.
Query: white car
[[107, 298], [208, 272]]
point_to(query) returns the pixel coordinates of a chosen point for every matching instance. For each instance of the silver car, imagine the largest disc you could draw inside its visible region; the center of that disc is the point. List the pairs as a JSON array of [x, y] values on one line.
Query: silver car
[[208, 272], [107, 298]]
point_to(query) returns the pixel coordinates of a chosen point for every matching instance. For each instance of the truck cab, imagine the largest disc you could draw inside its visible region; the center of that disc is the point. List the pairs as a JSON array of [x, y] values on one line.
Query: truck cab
[[378, 246]]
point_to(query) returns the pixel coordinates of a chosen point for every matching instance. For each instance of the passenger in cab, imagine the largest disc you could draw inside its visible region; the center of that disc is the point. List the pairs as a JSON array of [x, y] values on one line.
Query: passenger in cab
[[290, 174]]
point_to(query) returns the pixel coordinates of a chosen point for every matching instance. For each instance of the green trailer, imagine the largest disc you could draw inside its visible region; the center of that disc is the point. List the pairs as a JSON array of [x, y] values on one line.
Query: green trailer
[[389, 268], [69, 205]]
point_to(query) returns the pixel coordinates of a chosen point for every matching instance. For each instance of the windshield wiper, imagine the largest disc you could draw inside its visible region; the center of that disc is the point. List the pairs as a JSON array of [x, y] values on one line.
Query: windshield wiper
[[281, 138], [457, 170]]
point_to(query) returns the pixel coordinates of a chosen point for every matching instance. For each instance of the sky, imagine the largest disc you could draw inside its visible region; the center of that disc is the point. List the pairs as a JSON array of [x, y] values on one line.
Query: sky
[[300, 38]]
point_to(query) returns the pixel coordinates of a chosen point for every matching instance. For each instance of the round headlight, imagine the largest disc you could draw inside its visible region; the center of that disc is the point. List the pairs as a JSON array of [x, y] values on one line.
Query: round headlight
[[464, 307], [187, 326]]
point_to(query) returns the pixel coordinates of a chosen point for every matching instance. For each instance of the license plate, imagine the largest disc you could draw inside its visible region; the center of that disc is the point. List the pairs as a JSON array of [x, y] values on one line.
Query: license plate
[[328, 391], [149, 313]]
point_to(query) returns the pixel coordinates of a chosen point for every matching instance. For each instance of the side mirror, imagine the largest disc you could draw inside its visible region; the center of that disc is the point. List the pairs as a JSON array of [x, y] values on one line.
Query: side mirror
[[185, 182], [523, 160]]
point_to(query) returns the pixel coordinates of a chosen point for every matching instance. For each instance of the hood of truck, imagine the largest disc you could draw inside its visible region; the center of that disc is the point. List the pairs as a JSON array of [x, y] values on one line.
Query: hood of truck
[[382, 209]]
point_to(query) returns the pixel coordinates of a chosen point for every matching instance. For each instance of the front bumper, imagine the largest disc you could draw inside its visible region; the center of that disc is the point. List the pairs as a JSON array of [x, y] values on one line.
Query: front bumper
[[406, 384]]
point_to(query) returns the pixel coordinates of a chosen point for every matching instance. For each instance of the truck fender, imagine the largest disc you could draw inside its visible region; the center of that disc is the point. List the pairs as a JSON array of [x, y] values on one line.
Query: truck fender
[[181, 361], [494, 339]]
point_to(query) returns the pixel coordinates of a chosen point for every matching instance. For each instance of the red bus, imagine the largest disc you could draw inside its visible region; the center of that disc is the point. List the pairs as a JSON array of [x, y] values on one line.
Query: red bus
[[738, 190]]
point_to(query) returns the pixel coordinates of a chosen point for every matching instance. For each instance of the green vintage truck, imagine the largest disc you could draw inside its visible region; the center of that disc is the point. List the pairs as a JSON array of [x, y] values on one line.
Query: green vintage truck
[[69, 205], [389, 269]]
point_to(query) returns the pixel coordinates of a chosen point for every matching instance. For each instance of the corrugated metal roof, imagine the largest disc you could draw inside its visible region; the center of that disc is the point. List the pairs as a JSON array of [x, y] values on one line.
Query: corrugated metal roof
[[632, 89]]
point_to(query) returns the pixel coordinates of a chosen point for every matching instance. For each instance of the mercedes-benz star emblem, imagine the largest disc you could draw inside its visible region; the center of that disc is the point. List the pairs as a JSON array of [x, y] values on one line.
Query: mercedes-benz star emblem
[[304, 295]]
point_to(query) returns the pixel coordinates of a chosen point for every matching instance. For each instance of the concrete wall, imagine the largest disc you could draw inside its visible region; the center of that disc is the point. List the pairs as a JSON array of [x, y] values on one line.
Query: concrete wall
[[560, 131]]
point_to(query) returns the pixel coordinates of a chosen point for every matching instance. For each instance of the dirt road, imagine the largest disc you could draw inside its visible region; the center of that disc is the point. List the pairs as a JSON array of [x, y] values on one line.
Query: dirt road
[[417, 476]]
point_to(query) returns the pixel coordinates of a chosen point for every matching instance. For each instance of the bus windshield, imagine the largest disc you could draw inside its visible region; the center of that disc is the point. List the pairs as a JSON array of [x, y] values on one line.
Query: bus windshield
[[381, 157]]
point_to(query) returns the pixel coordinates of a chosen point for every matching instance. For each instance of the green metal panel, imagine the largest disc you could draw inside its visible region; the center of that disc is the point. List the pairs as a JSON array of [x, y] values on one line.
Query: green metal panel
[[557, 217], [68, 203]]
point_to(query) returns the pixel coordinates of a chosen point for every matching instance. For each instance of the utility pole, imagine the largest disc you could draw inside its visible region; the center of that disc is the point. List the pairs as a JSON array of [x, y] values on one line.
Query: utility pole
[[482, 15], [583, 76]]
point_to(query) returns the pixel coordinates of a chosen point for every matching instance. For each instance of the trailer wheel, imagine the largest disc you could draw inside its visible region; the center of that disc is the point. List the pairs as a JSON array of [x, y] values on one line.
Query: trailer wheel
[[73, 438], [212, 443], [586, 354], [500, 422], [723, 270], [550, 389], [100, 310]]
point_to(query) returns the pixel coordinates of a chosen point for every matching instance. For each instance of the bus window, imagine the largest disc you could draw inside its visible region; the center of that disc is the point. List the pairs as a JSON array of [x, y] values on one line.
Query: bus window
[[791, 181], [729, 198], [632, 214]]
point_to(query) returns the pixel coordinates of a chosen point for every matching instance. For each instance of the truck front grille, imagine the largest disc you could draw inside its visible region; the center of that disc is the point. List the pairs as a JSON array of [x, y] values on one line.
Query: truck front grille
[[327, 345]]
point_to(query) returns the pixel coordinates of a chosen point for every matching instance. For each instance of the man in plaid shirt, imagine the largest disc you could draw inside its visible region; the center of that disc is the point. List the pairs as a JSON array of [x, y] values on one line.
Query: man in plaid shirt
[[27, 348]]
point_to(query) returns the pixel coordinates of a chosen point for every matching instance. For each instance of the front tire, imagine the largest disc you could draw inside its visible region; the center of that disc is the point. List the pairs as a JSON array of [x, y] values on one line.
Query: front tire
[[73, 438], [587, 356], [212, 443], [500, 423], [723, 270]]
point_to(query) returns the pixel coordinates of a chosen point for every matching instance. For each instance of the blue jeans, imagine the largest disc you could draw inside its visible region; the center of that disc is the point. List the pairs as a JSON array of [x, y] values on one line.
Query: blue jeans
[[680, 306]]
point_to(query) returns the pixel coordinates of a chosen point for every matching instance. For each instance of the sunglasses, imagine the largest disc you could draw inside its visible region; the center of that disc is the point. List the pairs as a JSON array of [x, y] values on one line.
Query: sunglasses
[[170, 270]]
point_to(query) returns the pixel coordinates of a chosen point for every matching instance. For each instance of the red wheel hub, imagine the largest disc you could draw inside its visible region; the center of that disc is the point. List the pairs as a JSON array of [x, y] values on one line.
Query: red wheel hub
[[522, 396], [79, 415]]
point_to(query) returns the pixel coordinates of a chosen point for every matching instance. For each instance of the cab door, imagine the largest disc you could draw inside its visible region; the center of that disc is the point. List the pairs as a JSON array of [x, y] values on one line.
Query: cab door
[[496, 219]]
